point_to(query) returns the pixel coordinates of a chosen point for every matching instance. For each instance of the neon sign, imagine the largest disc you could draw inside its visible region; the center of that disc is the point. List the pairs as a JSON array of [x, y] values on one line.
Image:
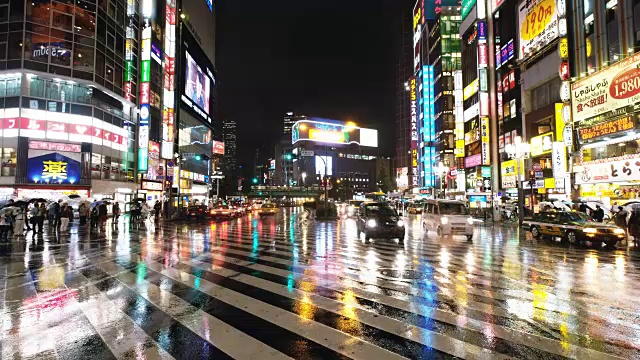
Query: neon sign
[[52, 168]]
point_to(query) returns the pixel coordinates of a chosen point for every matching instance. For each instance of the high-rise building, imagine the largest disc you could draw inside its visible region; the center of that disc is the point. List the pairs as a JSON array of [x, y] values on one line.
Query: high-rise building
[[444, 61], [289, 120], [69, 119], [229, 137], [424, 140], [404, 72], [90, 95], [197, 101]]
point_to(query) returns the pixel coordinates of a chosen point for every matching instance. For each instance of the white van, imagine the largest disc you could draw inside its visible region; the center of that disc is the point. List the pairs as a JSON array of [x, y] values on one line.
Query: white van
[[447, 217]]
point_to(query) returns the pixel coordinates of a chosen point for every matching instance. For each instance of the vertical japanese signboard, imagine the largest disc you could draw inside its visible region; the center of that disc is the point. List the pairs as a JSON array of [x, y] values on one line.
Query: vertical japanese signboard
[[414, 130], [129, 46], [417, 32], [145, 69], [168, 112]]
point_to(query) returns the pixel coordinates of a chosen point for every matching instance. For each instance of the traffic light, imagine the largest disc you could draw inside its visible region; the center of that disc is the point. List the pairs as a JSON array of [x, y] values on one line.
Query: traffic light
[[288, 157], [255, 180], [198, 157], [532, 175]]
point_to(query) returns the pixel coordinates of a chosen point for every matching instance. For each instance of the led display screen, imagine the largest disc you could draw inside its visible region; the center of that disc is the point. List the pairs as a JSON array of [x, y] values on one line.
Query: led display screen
[[198, 92], [197, 84]]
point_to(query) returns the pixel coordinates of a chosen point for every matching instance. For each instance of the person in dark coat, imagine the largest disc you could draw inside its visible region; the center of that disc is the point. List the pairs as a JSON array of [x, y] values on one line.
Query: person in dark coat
[[598, 214], [634, 225], [94, 217], [102, 214]]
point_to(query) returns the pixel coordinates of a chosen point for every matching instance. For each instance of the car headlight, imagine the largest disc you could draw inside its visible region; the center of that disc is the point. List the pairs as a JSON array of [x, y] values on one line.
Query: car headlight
[[589, 230], [618, 231], [470, 220], [444, 220], [400, 223], [371, 223]]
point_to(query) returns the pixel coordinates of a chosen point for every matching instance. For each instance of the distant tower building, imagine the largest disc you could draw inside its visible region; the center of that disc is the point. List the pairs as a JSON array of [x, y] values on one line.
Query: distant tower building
[[289, 120], [229, 136]]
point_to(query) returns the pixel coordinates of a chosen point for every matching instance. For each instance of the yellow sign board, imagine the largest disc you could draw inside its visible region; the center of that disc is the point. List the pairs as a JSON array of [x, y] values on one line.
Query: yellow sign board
[[563, 48], [471, 89], [328, 136], [541, 144], [549, 183]]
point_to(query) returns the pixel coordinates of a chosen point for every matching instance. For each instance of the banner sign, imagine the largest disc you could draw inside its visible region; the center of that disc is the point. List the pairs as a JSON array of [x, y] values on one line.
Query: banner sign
[[609, 171], [559, 160], [612, 88], [614, 127]]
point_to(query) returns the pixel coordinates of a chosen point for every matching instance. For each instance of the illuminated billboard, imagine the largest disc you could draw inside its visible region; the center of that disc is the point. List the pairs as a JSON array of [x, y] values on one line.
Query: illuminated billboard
[[538, 21], [321, 163], [333, 133], [198, 91], [218, 147]]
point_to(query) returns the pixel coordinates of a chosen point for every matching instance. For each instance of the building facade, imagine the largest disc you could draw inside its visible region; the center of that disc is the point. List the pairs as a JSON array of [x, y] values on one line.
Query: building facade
[[338, 154], [605, 57], [89, 98], [445, 60], [404, 72]]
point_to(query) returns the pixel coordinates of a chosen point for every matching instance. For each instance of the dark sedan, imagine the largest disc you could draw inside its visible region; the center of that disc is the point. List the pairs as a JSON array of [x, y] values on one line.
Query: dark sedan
[[379, 220]]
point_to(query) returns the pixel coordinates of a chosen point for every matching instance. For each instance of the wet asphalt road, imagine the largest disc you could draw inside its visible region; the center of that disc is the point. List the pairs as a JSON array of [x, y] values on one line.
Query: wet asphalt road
[[275, 288]]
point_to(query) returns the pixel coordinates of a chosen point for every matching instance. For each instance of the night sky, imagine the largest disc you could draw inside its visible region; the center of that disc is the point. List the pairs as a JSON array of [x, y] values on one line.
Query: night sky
[[332, 58]]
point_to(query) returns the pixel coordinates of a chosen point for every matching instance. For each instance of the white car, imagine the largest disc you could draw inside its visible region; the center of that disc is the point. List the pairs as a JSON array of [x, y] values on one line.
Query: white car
[[447, 217]]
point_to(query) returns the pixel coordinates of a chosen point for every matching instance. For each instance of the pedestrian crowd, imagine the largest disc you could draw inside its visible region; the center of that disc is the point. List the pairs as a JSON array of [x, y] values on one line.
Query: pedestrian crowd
[[18, 217]]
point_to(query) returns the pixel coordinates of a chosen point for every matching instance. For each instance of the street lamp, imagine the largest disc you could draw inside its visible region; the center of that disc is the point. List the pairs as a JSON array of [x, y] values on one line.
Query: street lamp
[[519, 151], [442, 170]]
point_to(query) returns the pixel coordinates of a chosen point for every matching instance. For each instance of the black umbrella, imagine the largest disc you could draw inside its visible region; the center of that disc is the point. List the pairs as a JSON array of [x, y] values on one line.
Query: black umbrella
[[20, 203], [74, 196], [38, 200]]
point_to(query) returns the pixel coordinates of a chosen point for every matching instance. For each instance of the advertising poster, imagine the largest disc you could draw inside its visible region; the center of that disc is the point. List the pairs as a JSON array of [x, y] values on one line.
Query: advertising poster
[[538, 21], [153, 170], [608, 90]]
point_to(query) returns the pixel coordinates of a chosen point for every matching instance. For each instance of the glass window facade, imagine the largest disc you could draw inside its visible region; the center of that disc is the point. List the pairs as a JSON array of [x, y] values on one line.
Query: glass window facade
[[71, 38]]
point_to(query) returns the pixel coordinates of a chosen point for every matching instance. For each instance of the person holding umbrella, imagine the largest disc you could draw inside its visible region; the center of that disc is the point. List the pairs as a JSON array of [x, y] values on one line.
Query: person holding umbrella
[[102, 213], [18, 226], [94, 215], [35, 217], [83, 211], [4, 226], [157, 209], [116, 212], [66, 214]]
